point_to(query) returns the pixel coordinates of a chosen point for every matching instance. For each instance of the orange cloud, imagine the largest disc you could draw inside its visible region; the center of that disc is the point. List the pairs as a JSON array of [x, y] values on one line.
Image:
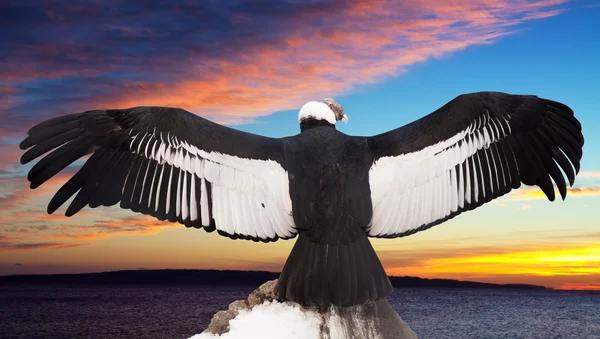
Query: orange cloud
[[42, 216], [4, 246], [132, 225], [7, 238], [26, 225]]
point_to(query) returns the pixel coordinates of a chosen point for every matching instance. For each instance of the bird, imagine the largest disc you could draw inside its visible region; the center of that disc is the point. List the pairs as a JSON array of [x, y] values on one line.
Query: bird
[[331, 190]]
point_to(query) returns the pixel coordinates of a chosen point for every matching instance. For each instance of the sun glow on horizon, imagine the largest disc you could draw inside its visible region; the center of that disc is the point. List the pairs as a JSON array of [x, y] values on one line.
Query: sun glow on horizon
[[550, 264]]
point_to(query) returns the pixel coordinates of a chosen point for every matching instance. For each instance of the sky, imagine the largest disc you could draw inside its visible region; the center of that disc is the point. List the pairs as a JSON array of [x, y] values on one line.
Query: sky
[[251, 65]]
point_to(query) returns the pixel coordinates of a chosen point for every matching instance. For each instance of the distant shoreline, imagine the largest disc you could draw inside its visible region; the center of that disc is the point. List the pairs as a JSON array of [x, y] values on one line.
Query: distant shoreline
[[223, 277]]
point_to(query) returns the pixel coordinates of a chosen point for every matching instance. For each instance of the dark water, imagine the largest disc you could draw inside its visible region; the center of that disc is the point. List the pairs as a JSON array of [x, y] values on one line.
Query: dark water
[[163, 312]]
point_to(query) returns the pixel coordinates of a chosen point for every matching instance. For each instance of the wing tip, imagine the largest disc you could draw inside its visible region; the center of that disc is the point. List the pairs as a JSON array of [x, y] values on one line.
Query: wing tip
[[25, 143]]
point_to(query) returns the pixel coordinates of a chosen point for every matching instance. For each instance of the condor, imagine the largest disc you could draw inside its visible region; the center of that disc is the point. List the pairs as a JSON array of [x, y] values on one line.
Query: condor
[[330, 189]]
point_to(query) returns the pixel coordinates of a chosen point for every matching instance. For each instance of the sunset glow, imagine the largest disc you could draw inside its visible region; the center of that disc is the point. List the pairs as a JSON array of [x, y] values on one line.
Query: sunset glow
[[252, 66], [573, 261]]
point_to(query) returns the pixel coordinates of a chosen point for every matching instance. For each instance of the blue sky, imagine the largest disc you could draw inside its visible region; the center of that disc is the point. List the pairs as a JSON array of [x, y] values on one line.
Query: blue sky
[[555, 58]]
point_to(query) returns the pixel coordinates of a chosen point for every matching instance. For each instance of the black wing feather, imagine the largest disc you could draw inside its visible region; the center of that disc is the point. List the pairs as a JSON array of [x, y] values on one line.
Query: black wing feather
[[530, 137], [115, 172]]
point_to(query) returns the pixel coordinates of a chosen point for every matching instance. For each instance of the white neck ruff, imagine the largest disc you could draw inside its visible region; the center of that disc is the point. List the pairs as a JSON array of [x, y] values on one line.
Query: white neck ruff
[[317, 110]]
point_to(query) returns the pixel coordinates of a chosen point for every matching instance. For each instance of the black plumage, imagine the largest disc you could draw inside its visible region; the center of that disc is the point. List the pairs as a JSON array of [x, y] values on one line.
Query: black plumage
[[331, 189]]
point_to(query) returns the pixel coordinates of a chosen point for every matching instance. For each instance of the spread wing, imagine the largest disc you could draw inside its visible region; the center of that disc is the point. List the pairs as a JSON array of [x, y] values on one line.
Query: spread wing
[[474, 149], [170, 164]]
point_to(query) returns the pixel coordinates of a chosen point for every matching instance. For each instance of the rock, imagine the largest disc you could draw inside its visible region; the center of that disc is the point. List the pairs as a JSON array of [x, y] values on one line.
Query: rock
[[238, 305], [266, 292], [262, 316], [219, 323]]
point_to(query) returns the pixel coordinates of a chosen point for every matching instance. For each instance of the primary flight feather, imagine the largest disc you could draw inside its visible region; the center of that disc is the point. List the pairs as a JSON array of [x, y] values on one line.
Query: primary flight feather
[[331, 189]]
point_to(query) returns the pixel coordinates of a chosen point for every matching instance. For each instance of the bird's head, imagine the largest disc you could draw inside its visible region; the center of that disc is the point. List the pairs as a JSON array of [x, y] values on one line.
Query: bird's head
[[327, 111]]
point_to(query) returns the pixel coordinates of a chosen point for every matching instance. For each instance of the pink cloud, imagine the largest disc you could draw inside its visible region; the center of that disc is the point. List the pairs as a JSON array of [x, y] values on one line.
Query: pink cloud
[[7, 99], [366, 42], [370, 41]]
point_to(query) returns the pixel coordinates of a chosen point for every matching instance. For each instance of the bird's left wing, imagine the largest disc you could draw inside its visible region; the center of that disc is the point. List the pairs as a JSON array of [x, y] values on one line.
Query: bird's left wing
[[474, 149], [168, 163]]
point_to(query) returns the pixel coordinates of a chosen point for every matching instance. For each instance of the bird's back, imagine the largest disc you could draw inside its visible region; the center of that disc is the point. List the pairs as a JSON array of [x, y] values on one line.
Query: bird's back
[[329, 184], [332, 261]]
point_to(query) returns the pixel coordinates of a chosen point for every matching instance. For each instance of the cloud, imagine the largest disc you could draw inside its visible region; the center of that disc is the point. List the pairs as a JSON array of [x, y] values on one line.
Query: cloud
[[589, 174], [9, 159], [130, 225], [8, 246], [534, 193], [17, 194], [229, 61], [6, 238], [7, 99], [24, 223]]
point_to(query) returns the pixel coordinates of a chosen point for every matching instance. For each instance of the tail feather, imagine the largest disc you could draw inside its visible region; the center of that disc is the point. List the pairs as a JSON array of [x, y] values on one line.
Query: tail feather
[[322, 275]]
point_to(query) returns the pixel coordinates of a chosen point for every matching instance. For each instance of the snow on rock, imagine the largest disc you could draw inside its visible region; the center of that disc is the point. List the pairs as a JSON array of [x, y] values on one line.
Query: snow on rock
[[271, 320], [262, 316]]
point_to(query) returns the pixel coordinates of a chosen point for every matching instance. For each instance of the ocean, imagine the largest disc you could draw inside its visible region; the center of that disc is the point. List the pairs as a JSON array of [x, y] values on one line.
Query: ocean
[[165, 312]]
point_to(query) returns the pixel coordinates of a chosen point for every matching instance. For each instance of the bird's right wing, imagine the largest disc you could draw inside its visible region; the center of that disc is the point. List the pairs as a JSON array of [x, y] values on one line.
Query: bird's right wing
[[170, 164], [474, 149]]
